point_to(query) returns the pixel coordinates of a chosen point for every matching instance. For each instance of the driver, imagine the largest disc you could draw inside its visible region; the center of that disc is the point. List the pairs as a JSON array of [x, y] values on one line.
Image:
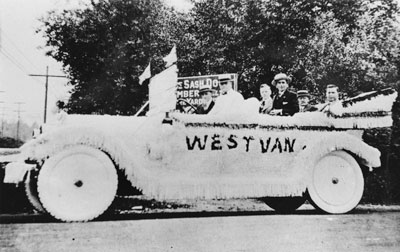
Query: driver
[[229, 101], [207, 101]]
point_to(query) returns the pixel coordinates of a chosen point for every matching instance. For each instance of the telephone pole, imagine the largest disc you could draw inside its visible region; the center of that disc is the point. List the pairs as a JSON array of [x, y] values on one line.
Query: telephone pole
[[47, 75], [5, 111], [19, 116], [2, 120]]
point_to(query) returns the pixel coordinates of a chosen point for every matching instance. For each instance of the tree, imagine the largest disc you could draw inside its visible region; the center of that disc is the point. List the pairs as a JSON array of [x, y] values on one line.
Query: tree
[[259, 38], [360, 61], [255, 39], [105, 46]]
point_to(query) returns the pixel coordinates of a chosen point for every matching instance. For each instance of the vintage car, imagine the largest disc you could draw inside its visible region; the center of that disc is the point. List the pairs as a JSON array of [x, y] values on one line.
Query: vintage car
[[73, 171]]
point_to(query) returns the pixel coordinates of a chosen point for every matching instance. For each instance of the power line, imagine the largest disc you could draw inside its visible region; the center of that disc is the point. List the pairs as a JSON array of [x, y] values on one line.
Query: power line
[[14, 61], [47, 87], [19, 51], [22, 68]]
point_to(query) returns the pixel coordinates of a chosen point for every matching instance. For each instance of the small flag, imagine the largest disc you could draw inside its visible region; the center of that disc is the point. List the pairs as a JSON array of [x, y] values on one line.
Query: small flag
[[171, 58], [145, 75], [162, 90]]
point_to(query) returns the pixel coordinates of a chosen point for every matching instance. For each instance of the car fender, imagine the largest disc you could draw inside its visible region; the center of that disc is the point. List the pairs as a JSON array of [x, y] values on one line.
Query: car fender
[[366, 155], [15, 172], [49, 144]]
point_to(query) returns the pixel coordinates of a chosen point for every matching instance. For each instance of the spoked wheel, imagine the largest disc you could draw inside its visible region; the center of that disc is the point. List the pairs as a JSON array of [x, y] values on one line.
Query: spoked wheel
[[77, 184], [284, 204], [31, 192], [337, 183]]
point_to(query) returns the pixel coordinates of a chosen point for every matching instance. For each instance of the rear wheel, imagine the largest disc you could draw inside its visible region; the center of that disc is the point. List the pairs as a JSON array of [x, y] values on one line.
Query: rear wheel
[[337, 183], [77, 184], [284, 204]]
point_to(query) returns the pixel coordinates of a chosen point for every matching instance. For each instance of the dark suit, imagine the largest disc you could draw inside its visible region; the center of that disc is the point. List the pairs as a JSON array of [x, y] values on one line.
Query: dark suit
[[202, 111], [287, 102]]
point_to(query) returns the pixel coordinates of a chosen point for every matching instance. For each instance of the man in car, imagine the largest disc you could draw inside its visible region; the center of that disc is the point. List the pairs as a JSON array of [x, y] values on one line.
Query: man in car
[[229, 101], [332, 98], [266, 99], [304, 101], [284, 101], [207, 101]]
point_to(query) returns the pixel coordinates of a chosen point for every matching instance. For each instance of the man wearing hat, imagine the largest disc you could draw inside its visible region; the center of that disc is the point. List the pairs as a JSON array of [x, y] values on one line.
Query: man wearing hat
[[304, 101], [285, 102], [207, 101], [229, 101]]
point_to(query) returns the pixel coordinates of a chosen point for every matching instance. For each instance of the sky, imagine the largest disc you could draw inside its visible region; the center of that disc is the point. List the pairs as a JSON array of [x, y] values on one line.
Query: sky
[[22, 52]]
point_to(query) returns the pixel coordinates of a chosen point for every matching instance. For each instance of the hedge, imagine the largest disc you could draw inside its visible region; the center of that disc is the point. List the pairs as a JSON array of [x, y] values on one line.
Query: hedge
[[382, 186]]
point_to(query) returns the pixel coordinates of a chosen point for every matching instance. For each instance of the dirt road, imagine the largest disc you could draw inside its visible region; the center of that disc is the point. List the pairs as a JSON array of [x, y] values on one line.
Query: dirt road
[[364, 230]]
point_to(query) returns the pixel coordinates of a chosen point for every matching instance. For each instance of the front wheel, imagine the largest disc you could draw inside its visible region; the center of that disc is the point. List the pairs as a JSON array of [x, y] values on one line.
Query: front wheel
[[284, 204], [77, 184], [337, 183]]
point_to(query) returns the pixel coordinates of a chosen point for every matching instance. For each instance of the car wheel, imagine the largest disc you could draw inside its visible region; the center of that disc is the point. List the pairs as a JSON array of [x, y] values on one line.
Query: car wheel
[[77, 184], [337, 183], [284, 204]]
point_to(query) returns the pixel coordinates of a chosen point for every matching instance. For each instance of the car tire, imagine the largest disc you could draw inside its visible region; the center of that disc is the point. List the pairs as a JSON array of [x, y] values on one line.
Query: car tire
[[77, 184], [336, 184]]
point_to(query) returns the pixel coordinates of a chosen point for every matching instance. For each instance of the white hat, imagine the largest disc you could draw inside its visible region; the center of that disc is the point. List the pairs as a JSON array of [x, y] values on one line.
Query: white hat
[[281, 76]]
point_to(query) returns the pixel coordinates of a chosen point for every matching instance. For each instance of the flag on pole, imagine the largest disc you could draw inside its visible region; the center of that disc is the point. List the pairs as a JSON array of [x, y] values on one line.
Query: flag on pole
[[171, 58], [162, 90], [145, 75]]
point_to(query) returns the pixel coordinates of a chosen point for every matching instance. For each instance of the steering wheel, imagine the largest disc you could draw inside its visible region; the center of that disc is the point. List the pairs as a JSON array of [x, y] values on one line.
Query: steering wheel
[[185, 107]]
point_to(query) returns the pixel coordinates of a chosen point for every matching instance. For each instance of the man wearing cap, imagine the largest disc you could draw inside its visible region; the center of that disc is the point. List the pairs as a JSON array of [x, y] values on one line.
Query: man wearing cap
[[229, 101], [285, 102], [304, 101], [207, 101]]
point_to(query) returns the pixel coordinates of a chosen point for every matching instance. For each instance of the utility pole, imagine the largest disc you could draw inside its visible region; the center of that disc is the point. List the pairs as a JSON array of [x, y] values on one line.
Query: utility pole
[[2, 120], [2, 123], [19, 116], [47, 75]]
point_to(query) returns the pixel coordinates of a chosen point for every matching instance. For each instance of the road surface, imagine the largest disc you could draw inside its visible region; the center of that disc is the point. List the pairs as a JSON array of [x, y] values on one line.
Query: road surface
[[363, 230]]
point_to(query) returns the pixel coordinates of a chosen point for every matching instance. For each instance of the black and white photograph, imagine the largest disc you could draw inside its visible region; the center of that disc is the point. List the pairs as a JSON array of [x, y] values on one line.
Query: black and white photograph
[[200, 125]]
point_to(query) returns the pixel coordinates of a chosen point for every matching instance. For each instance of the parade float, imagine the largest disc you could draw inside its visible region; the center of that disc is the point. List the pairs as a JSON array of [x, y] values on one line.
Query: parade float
[[73, 170]]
